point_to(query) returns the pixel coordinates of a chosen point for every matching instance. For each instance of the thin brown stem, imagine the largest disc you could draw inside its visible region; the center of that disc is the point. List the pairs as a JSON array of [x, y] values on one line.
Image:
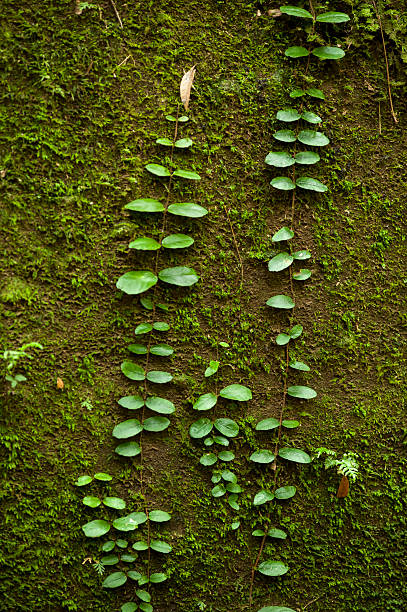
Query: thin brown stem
[[393, 114], [116, 13]]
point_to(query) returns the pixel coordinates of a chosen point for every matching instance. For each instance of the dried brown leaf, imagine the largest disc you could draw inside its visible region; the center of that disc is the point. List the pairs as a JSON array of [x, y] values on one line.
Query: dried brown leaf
[[274, 13], [186, 85], [60, 383], [343, 488]]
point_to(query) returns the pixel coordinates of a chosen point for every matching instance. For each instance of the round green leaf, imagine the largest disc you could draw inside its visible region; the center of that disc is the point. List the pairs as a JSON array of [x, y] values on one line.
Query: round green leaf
[[301, 392], [108, 546], [279, 160], [200, 428], [333, 17], [208, 459], [294, 454], [305, 182], [158, 170], [96, 529], [285, 492], [140, 546], [277, 533], [137, 349], [262, 497], [310, 117], [234, 488], [288, 115], [133, 283], [280, 301], [103, 477], [143, 595], [161, 326], [83, 480], [194, 211], [92, 502], [130, 606], [130, 522], [295, 11], [283, 339], [315, 93], [297, 93], [144, 244], [262, 456], [267, 424], [307, 158], [221, 440], [159, 516], [226, 456], [299, 365], [143, 328], [162, 350], [177, 241], [285, 233], [273, 568], [285, 136], [147, 303], [145, 205], [258, 533], [187, 174], [160, 546], [180, 276], [156, 424], [110, 560], [282, 182], [229, 476], [146, 607], [157, 577], [302, 275], [302, 255], [114, 580], [159, 377], [127, 429], [290, 424], [280, 262], [239, 393], [218, 491], [160, 405], [328, 53], [205, 402], [132, 370], [276, 609], [131, 402], [117, 503], [164, 141], [183, 143], [295, 52], [128, 449], [121, 543], [312, 138], [296, 331], [137, 576], [227, 427]]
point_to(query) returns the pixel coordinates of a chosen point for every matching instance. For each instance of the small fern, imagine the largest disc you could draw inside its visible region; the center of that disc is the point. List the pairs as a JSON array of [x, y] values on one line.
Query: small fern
[[346, 466], [98, 567]]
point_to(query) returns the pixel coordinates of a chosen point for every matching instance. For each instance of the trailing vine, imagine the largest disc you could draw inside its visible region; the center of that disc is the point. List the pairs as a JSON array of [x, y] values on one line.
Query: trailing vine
[[284, 260]]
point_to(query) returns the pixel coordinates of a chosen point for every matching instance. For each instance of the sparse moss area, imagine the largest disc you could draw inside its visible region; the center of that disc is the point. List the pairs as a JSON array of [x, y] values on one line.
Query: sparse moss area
[[81, 106]]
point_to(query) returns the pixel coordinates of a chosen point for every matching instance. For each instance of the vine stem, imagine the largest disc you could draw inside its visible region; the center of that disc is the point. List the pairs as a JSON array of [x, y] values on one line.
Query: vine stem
[[393, 114]]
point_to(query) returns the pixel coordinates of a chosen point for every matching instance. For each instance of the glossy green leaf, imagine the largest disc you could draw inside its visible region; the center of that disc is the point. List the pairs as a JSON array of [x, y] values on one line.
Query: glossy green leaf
[[276, 609], [143, 595], [208, 441], [114, 580], [297, 93], [302, 255], [156, 423], [160, 405], [285, 136], [187, 174], [267, 424], [307, 158], [160, 546], [296, 331], [132, 370], [146, 607], [218, 490], [180, 119], [148, 205], [92, 502], [200, 428], [310, 117], [315, 93], [108, 546], [127, 429], [133, 283], [295, 11], [299, 365], [212, 368], [328, 53], [158, 170], [103, 477], [208, 459], [162, 350], [161, 326], [301, 392], [273, 568], [262, 497], [117, 503], [140, 546], [280, 262], [233, 488], [279, 160], [262, 456], [159, 377], [205, 402], [177, 241], [221, 440], [137, 349], [183, 143], [143, 328], [157, 577], [305, 182], [295, 52], [128, 449], [282, 339], [282, 182], [280, 301], [130, 522], [232, 501], [164, 141], [131, 402], [302, 275], [147, 303], [285, 492], [226, 456], [228, 476], [285, 233], [83, 480], [128, 558], [277, 533], [194, 211], [137, 576], [294, 454], [239, 393], [96, 529], [332, 17], [312, 138], [288, 115], [130, 606], [144, 244], [258, 533], [227, 427], [180, 276], [122, 543], [159, 516]]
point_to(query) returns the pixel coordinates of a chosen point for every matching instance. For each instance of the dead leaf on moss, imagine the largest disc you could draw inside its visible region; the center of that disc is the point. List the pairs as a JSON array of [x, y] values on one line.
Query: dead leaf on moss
[[186, 86]]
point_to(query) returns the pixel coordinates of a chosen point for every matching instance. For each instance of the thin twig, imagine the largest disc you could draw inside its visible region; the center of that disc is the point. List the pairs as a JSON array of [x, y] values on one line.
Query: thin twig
[[313, 601], [380, 120], [393, 114], [117, 14]]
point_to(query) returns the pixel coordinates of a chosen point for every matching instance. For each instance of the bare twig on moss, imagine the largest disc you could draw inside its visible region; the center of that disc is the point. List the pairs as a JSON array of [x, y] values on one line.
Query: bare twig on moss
[[393, 114], [116, 13]]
